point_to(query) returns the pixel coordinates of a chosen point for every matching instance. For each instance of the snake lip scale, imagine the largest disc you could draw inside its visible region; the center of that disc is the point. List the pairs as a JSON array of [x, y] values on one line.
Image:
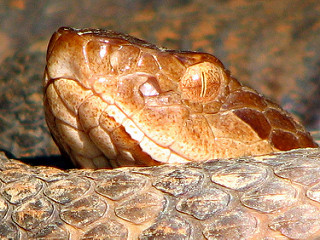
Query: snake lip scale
[[201, 155]]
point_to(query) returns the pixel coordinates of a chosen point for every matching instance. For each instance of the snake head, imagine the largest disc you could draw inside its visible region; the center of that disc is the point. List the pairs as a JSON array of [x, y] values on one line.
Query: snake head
[[112, 98]]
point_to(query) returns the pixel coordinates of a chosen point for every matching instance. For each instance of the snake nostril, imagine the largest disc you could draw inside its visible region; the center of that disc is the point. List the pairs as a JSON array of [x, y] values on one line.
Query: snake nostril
[[150, 87]]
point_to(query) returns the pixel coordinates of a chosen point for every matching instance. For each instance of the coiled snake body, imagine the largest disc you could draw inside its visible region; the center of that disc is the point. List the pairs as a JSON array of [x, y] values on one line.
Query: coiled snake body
[[114, 100]]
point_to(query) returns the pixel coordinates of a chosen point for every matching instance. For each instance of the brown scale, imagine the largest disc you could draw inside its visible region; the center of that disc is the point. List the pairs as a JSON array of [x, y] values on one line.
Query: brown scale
[[168, 106]]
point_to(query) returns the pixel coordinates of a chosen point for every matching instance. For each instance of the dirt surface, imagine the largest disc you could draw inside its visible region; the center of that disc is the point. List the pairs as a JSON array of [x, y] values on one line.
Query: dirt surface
[[272, 46]]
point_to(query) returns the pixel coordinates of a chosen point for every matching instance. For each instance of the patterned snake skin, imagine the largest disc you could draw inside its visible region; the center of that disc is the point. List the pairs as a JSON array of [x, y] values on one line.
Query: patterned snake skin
[[268, 197], [271, 196]]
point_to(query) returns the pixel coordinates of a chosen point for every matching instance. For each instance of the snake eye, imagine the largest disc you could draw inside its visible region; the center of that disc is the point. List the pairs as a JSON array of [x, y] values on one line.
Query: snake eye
[[150, 87], [202, 82]]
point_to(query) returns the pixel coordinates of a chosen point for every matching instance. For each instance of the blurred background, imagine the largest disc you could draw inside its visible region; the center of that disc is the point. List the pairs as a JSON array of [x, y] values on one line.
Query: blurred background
[[273, 46]]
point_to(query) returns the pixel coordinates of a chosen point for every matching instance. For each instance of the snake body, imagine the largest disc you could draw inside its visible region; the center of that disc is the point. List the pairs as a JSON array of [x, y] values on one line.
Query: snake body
[[114, 100]]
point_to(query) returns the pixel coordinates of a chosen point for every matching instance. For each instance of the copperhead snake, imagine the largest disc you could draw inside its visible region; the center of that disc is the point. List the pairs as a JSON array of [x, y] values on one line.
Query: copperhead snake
[[222, 156]]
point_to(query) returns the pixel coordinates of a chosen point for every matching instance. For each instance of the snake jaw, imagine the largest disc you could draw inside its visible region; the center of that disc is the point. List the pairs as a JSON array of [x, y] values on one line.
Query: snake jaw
[[112, 99]]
